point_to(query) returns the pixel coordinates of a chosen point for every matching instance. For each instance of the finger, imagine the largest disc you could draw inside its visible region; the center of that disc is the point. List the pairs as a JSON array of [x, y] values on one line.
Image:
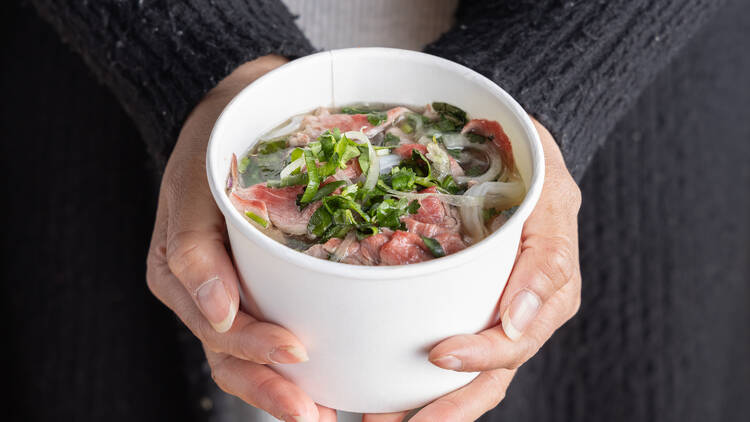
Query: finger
[[247, 339], [547, 262], [196, 251], [326, 414], [549, 246], [260, 386], [468, 403], [384, 417], [492, 349]]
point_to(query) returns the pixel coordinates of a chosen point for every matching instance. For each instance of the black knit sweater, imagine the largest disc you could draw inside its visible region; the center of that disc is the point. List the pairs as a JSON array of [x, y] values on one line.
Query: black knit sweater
[[576, 66]]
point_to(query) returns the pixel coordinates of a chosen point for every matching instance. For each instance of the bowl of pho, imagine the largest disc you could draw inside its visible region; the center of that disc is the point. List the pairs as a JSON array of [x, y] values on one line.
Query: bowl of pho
[[374, 200]]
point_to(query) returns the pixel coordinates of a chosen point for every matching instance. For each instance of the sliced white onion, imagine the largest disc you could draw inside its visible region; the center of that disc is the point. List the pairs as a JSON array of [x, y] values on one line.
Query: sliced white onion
[[374, 171], [496, 165], [382, 152], [441, 161], [389, 161], [455, 140], [294, 165], [501, 195], [290, 127], [340, 252]]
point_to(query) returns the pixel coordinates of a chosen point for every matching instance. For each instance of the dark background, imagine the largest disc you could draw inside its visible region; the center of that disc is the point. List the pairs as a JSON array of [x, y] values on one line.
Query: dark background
[[87, 341]]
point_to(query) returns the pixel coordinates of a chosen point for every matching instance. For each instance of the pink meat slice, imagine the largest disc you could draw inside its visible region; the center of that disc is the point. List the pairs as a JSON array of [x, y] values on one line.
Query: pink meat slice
[[431, 209], [405, 150], [312, 126], [370, 247], [282, 206], [403, 248], [493, 130]]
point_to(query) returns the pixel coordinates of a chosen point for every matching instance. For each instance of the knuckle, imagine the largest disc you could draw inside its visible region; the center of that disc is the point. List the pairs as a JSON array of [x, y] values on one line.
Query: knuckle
[[183, 252], [558, 261], [219, 376]]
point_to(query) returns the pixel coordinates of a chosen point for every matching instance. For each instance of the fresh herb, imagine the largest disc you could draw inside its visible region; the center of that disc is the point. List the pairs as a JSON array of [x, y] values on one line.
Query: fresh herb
[[259, 168], [452, 118], [388, 213], [373, 116], [319, 222], [276, 144], [364, 158], [391, 140], [322, 192], [355, 110], [450, 185], [377, 117], [403, 179], [476, 139], [258, 219], [242, 167], [489, 214], [475, 171], [433, 246], [312, 178]]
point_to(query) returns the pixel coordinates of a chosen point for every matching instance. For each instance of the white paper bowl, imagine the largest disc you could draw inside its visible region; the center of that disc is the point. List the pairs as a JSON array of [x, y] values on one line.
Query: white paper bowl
[[368, 330]]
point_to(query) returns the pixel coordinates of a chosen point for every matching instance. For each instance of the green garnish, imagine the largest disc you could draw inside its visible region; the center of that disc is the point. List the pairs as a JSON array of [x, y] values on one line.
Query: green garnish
[[258, 219], [242, 167], [388, 213], [355, 110], [476, 139], [391, 140], [452, 118], [450, 185], [376, 118], [489, 214], [326, 190], [433, 246], [312, 178], [272, 146], [373, 116], [403, 179]]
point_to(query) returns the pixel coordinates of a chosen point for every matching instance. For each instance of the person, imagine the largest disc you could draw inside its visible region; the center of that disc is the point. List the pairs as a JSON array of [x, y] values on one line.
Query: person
[[576, 67]]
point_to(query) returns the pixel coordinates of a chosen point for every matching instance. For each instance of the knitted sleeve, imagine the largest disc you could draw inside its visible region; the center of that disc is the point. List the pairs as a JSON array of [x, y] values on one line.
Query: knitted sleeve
[[160, 57], [575, 65]]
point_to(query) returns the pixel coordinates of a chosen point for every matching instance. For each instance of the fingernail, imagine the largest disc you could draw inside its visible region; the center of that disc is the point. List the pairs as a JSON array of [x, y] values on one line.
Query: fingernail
[[520, 313], [216, 304], [288, 354], [449, 362]]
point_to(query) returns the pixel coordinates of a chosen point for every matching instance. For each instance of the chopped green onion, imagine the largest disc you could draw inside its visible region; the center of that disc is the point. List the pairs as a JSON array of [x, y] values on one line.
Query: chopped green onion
[[433, 246], [258, 219], [376, 118], [312, 178]]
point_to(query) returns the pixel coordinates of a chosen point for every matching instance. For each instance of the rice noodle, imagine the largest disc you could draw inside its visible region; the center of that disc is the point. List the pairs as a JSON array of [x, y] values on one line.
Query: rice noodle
[[287, 129], [457, 200], [500, 195], [340, 252], [388, 162]]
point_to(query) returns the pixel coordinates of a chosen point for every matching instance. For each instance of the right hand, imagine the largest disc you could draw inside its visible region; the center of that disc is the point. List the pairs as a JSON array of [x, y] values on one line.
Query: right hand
[[191, 272]]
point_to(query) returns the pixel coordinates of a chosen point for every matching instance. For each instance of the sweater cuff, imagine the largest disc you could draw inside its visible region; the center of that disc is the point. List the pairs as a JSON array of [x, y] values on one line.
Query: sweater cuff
[[576, 66], [160, 58]]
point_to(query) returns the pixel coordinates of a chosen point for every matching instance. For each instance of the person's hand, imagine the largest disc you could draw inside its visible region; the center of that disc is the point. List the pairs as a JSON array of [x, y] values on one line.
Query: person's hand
[[189, 269], [543, 292]]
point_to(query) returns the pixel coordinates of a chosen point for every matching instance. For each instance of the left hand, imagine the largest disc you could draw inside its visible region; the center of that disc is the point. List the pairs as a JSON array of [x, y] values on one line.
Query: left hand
[[543, 292]]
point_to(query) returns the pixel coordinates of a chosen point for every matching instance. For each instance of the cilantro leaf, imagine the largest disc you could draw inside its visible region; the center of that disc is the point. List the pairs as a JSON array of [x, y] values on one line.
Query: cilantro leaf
[[435, 248]]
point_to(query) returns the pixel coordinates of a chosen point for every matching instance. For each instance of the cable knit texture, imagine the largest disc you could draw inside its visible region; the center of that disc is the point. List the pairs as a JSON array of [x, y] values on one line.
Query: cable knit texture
[[160, 57], [575, 65]]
